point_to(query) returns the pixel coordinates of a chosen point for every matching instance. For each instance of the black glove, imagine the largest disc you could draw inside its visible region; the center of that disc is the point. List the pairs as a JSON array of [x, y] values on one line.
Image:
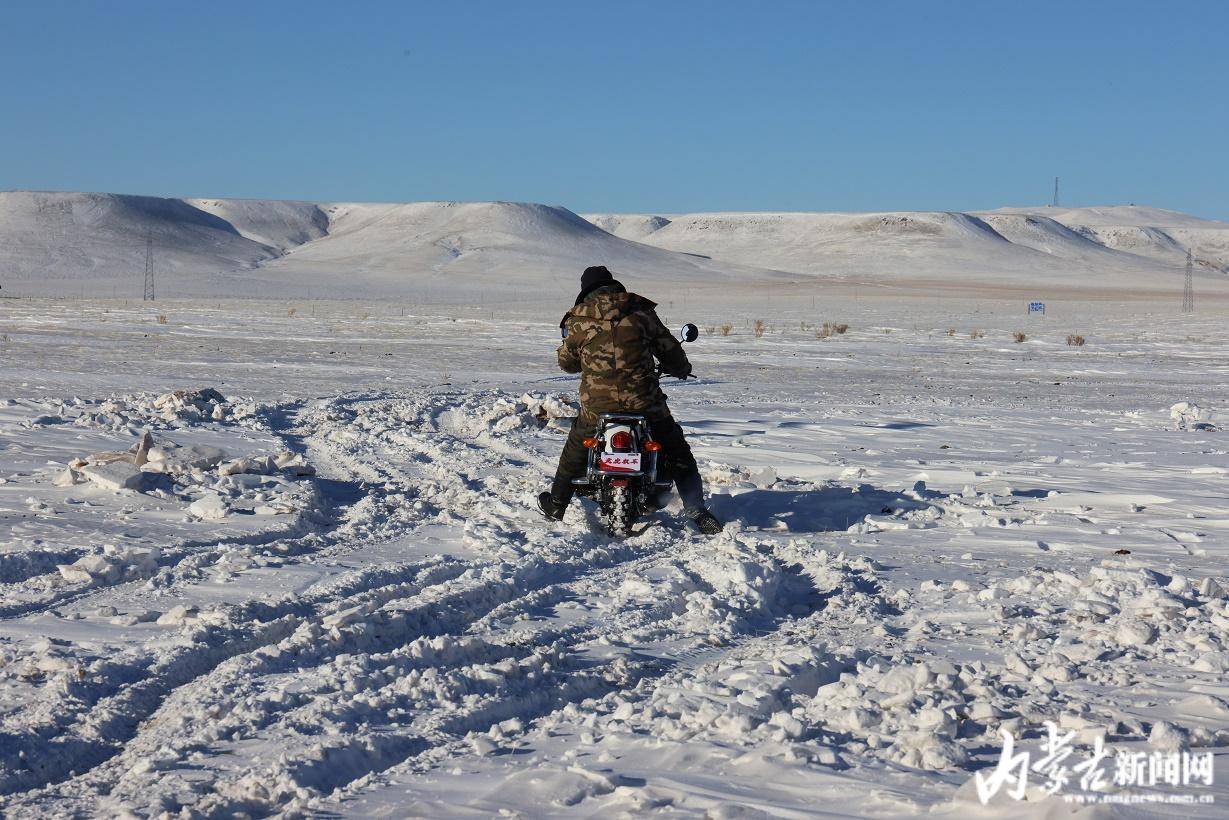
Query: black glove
[[683, 373]]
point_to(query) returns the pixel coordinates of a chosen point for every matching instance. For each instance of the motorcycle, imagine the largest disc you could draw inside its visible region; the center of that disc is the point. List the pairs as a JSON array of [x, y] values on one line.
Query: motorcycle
[[622, 476]]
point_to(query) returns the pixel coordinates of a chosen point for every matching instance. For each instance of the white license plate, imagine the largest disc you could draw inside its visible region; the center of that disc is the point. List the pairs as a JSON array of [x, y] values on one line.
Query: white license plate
[[626, 462]]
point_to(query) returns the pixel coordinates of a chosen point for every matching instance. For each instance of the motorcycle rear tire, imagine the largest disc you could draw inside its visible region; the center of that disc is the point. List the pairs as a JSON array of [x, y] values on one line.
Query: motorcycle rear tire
[[618, 511]]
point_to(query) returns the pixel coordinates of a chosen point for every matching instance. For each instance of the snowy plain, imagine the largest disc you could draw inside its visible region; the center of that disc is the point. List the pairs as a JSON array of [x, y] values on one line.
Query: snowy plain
[[935, 532], [279, 556]]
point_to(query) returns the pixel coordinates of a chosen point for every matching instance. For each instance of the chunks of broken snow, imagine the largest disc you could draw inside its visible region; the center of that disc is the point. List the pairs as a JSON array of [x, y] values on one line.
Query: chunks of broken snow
[[114, 475], [260, 486], [168, 410], [205, 403], [1086, 621], [294, 464], [170, 458], [255, 494], [112, 565], [210, 507], [736, 476], [287, 462], [113, 471], [254, 484], [263, 465], [913, 709], [116, 470], [1189, 416], [531, 410], [67, 478]]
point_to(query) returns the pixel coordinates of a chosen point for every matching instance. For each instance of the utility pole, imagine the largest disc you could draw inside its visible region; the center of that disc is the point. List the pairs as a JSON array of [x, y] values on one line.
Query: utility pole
[[1054, 203], [149, 269], [1188, 291]]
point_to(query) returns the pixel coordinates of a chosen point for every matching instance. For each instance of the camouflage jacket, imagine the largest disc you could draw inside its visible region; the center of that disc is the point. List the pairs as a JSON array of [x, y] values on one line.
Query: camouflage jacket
[[612, 340]]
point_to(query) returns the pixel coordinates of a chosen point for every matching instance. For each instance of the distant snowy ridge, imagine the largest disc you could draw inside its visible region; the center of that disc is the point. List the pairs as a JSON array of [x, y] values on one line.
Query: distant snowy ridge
[[56, 244], [94, 244], [277, 224], [628, 226], [1155, 233], [68, 236], [1041, 243]]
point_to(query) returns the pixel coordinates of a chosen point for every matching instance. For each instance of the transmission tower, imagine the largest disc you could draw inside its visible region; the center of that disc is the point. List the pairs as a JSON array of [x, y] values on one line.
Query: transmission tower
[[149, 269], [1188, 291], [1055, 202]]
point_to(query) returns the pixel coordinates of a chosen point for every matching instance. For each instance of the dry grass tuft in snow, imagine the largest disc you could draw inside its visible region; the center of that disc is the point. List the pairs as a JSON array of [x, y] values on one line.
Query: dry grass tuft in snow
[[829, 329]]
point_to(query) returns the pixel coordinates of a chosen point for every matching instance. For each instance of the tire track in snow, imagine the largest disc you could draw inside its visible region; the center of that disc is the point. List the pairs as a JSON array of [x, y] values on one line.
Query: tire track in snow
[[471, 601], [87, 724], [307, 533], [442, 609], [363, 754], [97, 720], [133, 704]]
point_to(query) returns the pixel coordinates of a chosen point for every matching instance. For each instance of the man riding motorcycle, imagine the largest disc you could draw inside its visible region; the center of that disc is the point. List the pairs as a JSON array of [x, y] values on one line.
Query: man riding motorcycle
[[614, 339]]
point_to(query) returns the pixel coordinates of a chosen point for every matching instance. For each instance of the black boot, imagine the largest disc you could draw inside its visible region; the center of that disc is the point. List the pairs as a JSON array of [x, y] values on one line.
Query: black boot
[[659, 500], [707, 523], [550, 507]]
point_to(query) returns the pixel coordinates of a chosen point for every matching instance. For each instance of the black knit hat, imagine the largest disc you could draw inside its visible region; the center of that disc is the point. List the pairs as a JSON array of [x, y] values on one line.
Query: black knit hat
[[593, 278]]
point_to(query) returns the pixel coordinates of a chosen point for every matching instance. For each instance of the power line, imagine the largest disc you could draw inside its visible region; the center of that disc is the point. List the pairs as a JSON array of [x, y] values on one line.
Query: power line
[[149, 269], [1188, 291]]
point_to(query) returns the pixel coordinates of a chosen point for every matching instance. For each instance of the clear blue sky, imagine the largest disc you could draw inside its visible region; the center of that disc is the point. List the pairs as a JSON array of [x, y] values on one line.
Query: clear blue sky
[[631, 106]]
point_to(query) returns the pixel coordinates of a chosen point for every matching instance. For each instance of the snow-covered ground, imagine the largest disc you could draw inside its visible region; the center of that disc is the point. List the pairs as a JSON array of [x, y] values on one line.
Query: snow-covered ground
[[323, 588]]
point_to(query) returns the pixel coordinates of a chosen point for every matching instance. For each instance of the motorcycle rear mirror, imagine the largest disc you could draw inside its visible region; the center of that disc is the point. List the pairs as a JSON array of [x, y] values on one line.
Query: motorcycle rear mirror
[[689, 332]]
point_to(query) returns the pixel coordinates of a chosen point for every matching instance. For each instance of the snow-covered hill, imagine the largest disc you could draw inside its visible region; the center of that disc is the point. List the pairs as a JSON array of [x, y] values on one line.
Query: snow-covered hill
[[1114, 247], [628, 226], [71, 244], [901, 245], [55, 243], [1155, 233], [82, 244], [477, 250], [278, 224]]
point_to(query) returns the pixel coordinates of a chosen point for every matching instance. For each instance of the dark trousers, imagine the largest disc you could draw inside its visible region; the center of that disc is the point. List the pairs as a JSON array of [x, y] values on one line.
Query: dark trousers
[[675, 460]]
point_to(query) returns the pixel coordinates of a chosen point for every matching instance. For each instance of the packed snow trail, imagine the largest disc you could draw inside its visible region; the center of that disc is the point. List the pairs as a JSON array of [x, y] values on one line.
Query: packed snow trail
[[418, 618], [227, 680]]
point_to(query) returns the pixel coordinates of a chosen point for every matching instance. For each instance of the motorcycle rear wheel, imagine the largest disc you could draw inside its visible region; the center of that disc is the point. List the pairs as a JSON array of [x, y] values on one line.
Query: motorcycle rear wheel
[[617, 510]]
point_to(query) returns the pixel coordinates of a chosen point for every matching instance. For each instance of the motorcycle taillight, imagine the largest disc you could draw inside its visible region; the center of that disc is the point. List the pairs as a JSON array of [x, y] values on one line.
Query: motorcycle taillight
[[621, 440]]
